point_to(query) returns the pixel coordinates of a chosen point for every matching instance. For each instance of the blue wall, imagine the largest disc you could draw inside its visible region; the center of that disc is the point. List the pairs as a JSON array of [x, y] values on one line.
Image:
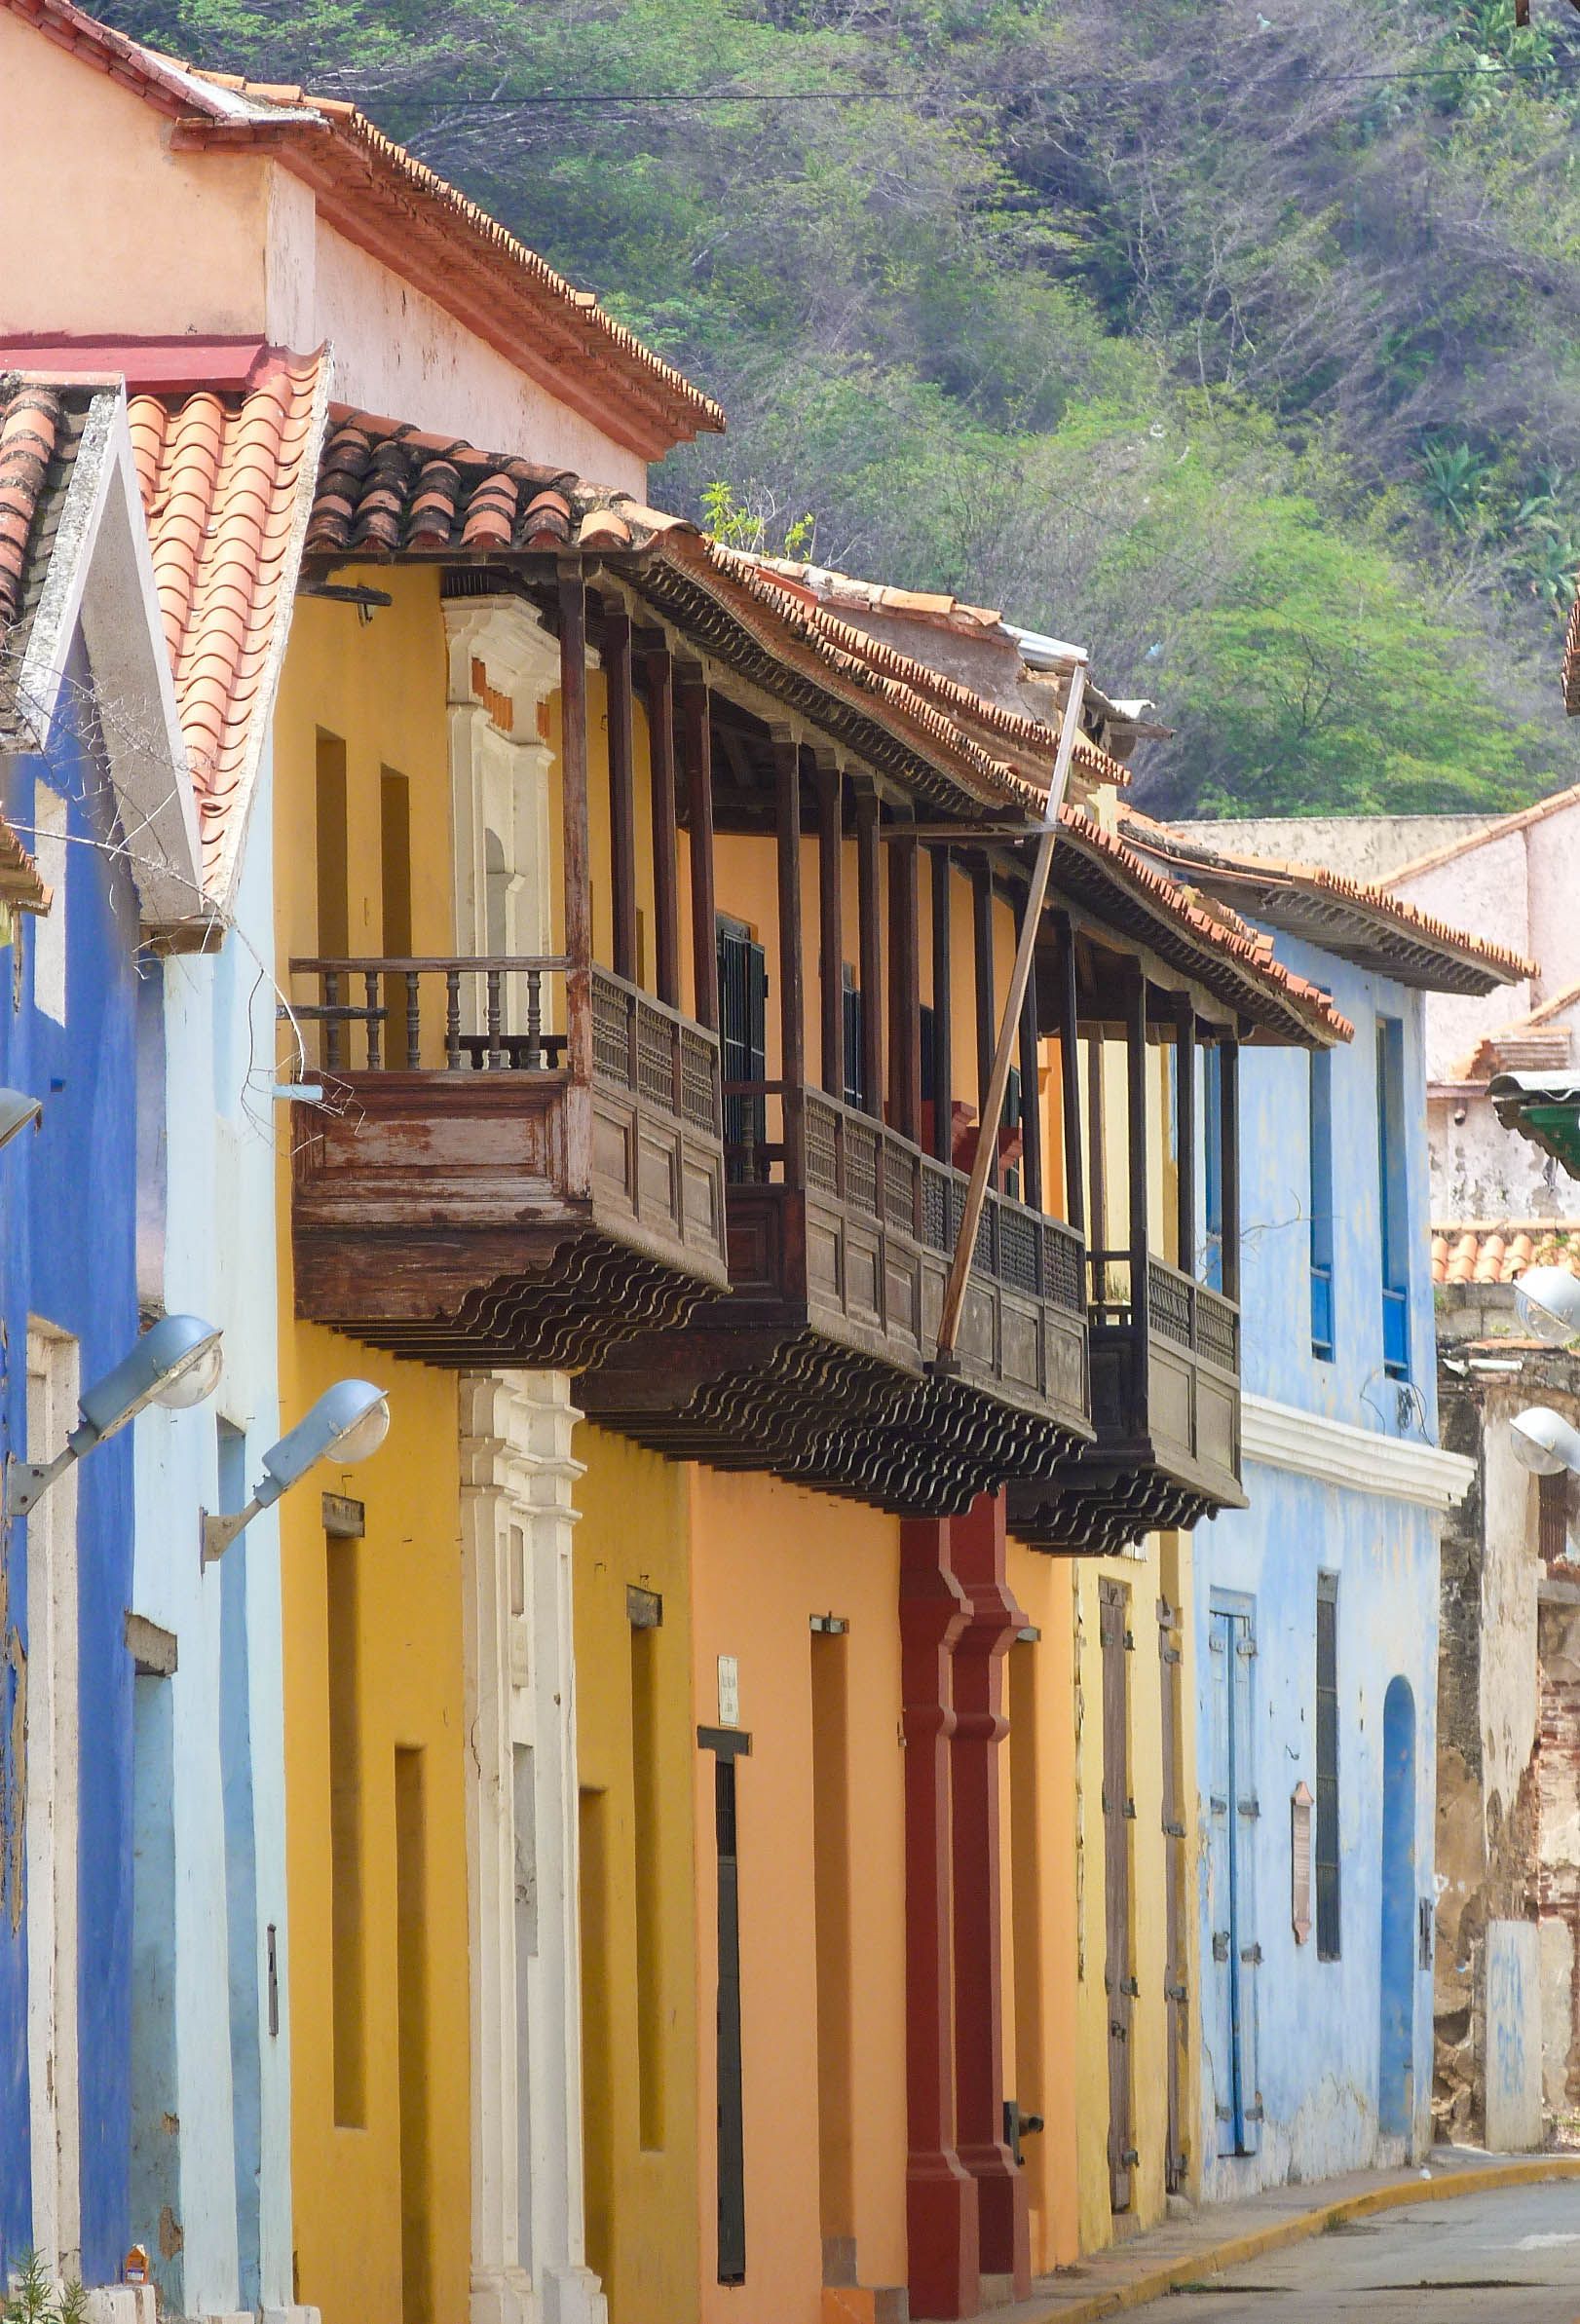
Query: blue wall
[[67, 1217], [1314, 2025]]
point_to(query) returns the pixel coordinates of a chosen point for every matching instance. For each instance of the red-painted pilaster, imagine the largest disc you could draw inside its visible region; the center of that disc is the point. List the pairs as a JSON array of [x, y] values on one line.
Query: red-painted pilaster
[[977, 1555], [941, 2195]]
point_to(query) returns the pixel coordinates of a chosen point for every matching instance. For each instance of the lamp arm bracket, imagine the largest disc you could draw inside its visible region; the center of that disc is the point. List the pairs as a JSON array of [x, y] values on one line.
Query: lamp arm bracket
[[218, 1532], [27, 1481]]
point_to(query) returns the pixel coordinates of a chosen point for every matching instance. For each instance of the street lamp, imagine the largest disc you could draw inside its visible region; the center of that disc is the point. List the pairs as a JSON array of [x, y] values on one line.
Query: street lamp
[[350, 1420], [176, 1362], [1543, 1441], [1547, 1303]]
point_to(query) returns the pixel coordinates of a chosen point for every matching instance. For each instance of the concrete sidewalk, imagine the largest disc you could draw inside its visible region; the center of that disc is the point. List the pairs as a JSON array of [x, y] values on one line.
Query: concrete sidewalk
[[1180, 2251]]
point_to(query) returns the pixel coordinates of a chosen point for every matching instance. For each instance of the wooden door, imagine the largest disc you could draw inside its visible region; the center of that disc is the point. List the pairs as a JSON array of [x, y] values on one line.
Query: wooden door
[[1177, 2013], [1119, 1816]]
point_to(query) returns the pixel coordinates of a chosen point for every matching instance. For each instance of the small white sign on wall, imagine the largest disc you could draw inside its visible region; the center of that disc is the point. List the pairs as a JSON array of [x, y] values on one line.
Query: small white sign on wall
[[729, 1691]]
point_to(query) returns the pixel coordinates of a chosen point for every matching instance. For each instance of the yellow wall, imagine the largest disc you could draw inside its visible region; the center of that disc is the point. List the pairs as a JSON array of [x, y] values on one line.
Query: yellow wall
[[765, 1556], [381, 688], [640, 2144]]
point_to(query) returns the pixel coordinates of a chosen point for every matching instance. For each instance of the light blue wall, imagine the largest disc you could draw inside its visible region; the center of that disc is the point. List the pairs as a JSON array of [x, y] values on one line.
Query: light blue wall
[[1316, 2024], [209, 1247]]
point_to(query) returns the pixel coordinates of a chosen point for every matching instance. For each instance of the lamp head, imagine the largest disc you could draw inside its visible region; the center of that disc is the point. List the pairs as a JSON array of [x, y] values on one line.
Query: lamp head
[[1543, 1441], [1547, 1300], [17, 1110], [176, 1362], [350, 1420]]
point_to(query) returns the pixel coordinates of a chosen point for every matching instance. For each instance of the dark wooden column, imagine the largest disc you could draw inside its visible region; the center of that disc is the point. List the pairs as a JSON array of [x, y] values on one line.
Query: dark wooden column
[[986, 1023], [1070, 1072], [660, 693], [1184, 1068], [978, 1559], [1136, 1131], [941, 2200], [576, 841], [943, 1023], [1098, 1235], [697, 744], [872, 952], [905, 987], [615, 645], [792, 1040], [1229, 1112], [831, 923], [1030, 1100]]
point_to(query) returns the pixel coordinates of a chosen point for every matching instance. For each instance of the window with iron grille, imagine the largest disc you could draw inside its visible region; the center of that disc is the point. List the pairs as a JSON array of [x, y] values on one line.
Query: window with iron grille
[[1319, 1114], [1552, 1518], [855, 1092], [1329, 1928], [742, 1041], [1392, 1197]]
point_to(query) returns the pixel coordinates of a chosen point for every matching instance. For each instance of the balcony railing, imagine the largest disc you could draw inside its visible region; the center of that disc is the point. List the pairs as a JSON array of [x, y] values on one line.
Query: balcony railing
[[461, 1174]]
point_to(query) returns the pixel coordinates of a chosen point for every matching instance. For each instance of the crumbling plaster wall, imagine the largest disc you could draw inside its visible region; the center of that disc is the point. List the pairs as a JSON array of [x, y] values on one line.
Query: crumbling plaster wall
[[1478, 1171]]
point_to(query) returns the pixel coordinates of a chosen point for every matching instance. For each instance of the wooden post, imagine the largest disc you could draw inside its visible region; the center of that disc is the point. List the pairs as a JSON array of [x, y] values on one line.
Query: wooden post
[[1135, 1138], [976, 1192], [1229, 1179], [982, 954], [1070, 1072], [872, 952], [1031, 1101], [792, 1059], [577, 838], [614, 645], [831, 923], [1097, 1137], [660, 693], [1185, 1069], [905, 988], [697, 732], [943, 1063]]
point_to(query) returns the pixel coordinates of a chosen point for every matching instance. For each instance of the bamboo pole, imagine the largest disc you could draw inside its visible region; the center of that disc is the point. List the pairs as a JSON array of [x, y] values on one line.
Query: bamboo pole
[[987, 1145]]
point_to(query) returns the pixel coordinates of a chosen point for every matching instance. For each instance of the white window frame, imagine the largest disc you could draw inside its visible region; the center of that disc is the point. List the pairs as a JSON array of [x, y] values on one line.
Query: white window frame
[[50, 848]]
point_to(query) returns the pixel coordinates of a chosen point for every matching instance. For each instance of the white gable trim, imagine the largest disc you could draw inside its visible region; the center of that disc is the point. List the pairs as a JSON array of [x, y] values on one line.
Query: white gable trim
[[102, 575], [1362, 1459]]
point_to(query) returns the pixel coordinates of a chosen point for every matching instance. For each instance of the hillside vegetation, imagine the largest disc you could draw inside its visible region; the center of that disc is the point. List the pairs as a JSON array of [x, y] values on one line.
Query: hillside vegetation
[[1237, 338]]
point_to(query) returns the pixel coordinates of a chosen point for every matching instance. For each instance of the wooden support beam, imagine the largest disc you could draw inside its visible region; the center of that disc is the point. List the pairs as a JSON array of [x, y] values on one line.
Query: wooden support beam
[[697, 730], [615, 645], [787, 849], [976, 1192], [943, 1026], [576, 844], [831, 923], [1135, 1144], [1031, 1102], [982, 954], [871, 970], [1184, 1068], [659, 672], [1229, 1176], [905, 991], [1097, 1136], [1070, 1072]]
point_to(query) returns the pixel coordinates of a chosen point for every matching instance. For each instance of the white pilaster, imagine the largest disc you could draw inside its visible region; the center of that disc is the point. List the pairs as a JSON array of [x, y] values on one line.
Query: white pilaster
[[518, 1476]]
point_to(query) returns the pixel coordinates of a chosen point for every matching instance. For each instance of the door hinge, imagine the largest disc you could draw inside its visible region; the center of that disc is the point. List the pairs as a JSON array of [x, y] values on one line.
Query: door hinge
[[1251, 1954], [1220, 1807], [1253, 2113], [1177, 1993], [1171, 1653], [1251, 1807], [1128, 1810], [1247, 1647], [1130, 2155], [1224, 2114], [1173, 1831], [1130, 1642], [1215, 1643], [1132, 1986], [1119, 2032], [1221, 1944]]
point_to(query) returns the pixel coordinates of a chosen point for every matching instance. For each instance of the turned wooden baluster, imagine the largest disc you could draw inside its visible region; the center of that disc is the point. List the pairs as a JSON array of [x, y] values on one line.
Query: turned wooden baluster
[[372, 983], [414, 1022], [495, 1055], [452, 1019], [331, 1022], [534, 1019]]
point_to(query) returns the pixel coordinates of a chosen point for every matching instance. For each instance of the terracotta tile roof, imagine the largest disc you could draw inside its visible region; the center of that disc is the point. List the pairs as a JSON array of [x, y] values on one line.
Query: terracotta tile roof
[[1483, 1253], [41, 425], [383, 199], [225, 482], [826, 587], [1541, 1041], [1359, 920], [1499, 828]]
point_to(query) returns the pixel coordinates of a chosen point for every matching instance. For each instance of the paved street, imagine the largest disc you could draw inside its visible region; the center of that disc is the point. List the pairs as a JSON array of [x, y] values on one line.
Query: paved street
[[1512, 2258]]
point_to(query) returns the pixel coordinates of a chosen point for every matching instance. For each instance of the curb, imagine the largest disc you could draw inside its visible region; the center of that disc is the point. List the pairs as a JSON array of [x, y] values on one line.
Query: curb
[[1192, 2266]]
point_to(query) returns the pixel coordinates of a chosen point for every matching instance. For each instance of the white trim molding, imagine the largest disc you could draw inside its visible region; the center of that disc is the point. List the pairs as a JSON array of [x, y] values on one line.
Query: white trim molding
[[1362, 1459], [518, 1474]]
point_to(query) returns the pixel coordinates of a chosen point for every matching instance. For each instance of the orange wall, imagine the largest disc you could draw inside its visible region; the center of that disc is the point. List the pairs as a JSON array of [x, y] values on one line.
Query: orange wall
[[765, 1556]]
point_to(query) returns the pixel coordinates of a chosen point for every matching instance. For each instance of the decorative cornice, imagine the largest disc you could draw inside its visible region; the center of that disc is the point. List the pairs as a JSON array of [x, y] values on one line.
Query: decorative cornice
[[1362, 1459]]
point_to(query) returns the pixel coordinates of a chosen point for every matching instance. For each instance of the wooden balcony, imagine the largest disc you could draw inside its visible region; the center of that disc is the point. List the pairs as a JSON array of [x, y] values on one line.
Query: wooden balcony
[[818, 1366], [1166, 1410], [507, 1164]]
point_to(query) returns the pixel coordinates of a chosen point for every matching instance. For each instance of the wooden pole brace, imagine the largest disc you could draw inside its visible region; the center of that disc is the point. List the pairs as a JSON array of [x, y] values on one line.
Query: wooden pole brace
[[987, 1145]]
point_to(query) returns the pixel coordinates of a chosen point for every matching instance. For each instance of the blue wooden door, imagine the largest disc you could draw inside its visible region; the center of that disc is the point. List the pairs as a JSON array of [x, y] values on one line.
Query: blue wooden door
[[1232, 1808]]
